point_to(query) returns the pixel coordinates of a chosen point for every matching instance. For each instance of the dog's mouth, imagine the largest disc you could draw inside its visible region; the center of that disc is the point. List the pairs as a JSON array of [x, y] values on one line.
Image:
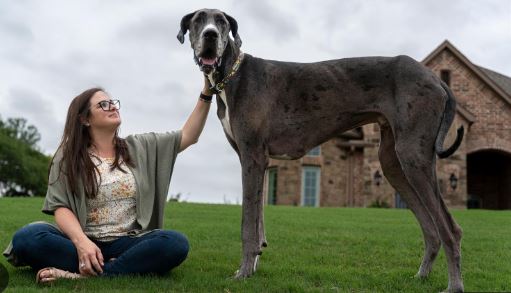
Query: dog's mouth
[[207, 65], [204, 61], [208, 61]]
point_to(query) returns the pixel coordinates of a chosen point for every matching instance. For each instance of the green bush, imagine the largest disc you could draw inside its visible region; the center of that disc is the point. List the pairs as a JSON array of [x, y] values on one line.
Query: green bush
[[379, 203]]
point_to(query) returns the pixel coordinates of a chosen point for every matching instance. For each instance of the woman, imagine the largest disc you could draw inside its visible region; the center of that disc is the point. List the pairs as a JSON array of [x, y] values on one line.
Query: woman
[[108, 196]]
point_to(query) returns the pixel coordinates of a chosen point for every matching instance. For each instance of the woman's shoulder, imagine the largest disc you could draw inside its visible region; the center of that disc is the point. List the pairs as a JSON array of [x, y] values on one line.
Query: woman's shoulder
[[157, 144], [57, 157], [151, 136]]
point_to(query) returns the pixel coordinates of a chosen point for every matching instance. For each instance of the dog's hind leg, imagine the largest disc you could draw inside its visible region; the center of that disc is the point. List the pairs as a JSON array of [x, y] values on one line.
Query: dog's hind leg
[[262, 235], [253, 165], [394, 174], [418, 164]]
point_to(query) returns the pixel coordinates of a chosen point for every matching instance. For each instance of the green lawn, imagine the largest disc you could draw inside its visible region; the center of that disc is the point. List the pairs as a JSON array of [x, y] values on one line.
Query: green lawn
[[310, 249]]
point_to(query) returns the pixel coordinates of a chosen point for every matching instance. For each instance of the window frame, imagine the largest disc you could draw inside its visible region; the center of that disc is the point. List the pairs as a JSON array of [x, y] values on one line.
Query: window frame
[[317, 171], [272, 200]]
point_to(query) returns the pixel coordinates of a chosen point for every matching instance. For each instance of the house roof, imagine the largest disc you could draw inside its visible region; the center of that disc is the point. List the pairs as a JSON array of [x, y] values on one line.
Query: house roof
[[469, 116], [500, 83], [501, 80], [355, 133]]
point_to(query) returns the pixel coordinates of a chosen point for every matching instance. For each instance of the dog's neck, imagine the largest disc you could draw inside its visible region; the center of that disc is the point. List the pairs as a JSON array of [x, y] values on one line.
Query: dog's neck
[[230, 55]]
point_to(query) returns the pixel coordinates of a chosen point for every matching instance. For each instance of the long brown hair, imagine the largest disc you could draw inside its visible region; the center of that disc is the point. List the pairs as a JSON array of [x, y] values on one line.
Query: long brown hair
[[76, 162]]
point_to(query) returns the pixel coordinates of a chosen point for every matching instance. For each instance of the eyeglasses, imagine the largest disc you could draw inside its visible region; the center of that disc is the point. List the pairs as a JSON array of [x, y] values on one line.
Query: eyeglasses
[[108, 105]]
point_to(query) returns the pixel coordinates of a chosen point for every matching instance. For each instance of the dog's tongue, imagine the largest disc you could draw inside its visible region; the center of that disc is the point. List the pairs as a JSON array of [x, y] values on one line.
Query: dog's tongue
[[208, 61]]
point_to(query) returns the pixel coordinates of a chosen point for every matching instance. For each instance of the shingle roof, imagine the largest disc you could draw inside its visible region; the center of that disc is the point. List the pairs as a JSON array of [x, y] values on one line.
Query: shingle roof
[[501, 80]]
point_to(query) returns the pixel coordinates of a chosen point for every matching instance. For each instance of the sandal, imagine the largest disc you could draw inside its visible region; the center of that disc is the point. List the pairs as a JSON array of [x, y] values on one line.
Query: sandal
[[54, 275]]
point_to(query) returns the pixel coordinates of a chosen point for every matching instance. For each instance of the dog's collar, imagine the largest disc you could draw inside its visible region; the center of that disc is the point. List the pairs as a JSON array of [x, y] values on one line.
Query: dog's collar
[[219, 87]]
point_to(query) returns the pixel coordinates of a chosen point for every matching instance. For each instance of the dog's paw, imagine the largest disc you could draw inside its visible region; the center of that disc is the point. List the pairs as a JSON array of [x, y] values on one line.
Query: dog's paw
[[247, 269], [239, 275], [420, 277], [242, 274], [455, 289]]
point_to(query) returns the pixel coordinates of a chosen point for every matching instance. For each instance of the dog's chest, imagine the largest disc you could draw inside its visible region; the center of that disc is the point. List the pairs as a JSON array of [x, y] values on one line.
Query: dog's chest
[[225, 121], [226, 124]]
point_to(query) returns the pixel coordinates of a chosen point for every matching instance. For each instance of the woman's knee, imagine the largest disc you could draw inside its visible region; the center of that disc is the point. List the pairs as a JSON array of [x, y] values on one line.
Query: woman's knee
[[175, 245], [28, 237]]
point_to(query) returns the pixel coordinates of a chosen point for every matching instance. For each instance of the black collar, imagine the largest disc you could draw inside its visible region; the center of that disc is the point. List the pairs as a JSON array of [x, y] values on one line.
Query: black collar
[[219, 87]]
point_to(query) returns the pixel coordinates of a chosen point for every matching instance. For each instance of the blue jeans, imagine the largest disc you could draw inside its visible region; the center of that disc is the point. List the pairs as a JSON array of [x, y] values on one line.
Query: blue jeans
[[41, 245]]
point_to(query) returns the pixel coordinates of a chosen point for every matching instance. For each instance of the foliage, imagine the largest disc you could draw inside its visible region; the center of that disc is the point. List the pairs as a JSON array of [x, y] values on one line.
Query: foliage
[[379, 203], [175, 197], [18, 129], [23, 168]]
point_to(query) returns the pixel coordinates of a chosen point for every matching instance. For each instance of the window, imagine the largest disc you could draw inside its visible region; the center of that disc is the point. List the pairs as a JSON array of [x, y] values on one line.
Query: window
[[445, 75], [399, 202], [310, 186], [315, 151], [272, 186]]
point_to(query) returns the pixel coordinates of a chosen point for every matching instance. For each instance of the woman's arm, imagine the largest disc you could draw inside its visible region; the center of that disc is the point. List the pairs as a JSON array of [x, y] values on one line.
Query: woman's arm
[[195, 123], [88, 252]]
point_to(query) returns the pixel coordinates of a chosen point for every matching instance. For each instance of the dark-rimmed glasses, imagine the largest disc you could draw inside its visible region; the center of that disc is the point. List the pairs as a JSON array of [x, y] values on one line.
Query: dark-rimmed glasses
[[108, 105]]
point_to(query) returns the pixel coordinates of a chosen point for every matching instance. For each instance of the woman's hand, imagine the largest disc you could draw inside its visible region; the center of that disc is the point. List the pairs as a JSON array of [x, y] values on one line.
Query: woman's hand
[[90, 257], [207, 85]]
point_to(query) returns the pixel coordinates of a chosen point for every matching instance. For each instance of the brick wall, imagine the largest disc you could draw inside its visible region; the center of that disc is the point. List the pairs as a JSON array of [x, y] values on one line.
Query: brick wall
[[492, 128]]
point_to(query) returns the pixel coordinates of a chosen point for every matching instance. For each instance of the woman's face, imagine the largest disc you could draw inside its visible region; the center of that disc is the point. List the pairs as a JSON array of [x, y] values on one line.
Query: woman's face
[[101, 119]]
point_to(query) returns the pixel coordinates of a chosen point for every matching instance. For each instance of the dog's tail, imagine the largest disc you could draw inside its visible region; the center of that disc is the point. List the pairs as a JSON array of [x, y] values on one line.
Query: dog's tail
[[447, 118]]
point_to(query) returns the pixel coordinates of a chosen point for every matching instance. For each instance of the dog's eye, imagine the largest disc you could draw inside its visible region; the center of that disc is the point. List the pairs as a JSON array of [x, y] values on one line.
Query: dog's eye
[[219, 20], [201, 15]]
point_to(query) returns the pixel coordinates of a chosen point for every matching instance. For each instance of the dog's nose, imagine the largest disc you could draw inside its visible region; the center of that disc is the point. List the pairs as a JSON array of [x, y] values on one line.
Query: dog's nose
[[210, 35]]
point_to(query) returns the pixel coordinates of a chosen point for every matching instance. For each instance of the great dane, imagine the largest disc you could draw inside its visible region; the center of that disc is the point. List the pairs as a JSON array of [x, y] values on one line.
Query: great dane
[[273, 109]]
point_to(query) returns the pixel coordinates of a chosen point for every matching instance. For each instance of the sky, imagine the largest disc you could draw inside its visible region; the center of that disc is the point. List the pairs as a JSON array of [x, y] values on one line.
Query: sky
[[52, 50]]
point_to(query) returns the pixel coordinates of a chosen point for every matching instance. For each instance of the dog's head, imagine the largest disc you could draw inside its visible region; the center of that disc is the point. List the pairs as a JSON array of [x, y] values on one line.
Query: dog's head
[[209, 36]]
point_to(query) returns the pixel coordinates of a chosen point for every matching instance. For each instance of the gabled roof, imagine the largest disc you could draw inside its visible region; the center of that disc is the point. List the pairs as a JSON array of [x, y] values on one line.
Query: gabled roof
[[500, 79], [500, 83]]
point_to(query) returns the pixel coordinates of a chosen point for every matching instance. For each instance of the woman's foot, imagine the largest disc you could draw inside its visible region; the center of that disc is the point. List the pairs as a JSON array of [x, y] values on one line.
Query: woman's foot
[[48, 275]]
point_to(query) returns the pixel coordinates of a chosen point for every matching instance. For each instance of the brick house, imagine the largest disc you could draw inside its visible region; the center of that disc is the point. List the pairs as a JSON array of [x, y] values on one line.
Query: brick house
[[345, 171]]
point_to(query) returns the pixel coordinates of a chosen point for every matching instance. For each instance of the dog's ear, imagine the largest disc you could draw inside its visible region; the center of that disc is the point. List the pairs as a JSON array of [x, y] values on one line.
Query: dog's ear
[[234, 29], [185, 25]]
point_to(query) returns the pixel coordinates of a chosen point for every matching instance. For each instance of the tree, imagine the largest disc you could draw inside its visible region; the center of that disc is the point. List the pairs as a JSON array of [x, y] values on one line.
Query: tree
[[23, 168], [17, 128]]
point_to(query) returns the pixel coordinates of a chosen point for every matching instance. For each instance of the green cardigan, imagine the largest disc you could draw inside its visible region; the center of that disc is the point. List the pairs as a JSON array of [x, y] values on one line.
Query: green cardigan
[[153, 155]]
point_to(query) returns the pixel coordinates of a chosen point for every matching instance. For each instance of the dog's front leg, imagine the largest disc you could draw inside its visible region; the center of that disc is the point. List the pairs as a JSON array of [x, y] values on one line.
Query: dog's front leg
[[253, 165]]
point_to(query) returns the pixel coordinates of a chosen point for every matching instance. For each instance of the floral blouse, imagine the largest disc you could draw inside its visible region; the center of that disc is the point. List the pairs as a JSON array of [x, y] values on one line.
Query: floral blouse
[[113, 212]]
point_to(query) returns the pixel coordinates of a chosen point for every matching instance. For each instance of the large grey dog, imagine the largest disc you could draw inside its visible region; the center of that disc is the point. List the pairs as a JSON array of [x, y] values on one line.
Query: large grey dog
[[272, 109]]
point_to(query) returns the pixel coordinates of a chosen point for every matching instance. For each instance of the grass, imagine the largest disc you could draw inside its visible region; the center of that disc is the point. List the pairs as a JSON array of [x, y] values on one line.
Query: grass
[[310, 250]]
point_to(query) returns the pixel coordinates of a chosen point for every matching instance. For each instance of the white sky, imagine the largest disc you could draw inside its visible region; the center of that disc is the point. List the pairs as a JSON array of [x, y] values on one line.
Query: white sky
[[51, 50]]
